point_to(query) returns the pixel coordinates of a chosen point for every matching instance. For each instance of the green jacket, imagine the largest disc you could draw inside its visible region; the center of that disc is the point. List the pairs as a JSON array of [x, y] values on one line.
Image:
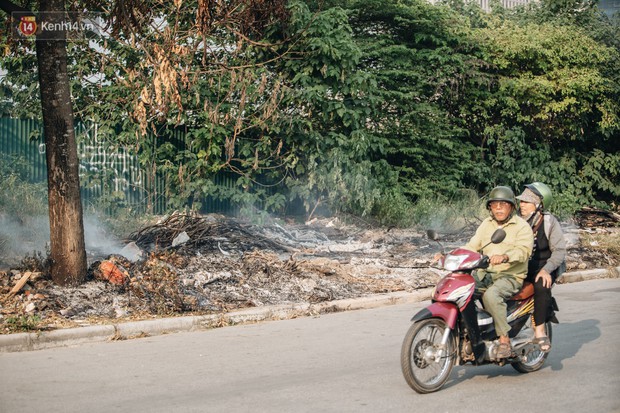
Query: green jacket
[[517, 245]]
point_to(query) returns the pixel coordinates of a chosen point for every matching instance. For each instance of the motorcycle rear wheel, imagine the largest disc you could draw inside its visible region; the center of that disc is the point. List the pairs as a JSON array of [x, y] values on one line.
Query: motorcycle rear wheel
[[535, 359], [426, 369]]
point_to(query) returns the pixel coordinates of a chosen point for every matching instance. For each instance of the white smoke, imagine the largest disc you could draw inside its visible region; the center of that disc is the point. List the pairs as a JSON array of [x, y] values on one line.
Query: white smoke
[[29, 237]]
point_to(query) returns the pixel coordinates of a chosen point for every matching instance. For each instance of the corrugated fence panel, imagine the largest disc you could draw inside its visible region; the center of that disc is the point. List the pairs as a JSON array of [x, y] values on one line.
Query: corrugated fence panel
[[108, 173], [107, 170], [19, 138]]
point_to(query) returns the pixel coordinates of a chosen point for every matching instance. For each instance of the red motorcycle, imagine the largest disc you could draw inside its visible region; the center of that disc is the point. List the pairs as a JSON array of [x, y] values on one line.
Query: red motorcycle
[[456, 329]]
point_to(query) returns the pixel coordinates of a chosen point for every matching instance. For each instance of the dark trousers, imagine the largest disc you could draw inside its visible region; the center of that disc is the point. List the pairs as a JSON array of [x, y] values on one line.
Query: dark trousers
[[543, 306], [542, 303]]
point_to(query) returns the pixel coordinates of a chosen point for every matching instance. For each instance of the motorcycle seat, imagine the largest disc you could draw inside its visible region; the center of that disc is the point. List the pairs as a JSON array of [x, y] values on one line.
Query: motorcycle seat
[[527, 290]]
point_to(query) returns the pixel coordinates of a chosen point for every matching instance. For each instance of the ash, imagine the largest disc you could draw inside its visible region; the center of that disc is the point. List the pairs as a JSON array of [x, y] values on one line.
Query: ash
[[189, 264]]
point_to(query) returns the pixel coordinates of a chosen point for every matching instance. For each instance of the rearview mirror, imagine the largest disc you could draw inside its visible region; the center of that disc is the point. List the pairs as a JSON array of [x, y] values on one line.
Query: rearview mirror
[[432, 234], [498, 236]]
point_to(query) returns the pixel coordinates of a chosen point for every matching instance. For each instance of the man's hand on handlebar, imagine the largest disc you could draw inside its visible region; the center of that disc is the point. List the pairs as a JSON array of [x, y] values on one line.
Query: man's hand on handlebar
[[499, 259]]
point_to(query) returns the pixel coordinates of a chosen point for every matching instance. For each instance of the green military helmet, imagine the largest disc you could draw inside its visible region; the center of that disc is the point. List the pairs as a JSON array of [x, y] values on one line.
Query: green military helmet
[[543, 191], [501, 193]]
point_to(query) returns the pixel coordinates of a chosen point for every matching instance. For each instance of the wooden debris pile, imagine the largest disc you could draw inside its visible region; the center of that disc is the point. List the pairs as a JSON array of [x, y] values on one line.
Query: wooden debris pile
[[210, 264], [588, 217], [203, 234]]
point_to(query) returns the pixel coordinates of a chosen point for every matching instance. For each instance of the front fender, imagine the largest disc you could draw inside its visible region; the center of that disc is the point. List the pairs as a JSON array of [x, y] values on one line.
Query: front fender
[[446, 311]]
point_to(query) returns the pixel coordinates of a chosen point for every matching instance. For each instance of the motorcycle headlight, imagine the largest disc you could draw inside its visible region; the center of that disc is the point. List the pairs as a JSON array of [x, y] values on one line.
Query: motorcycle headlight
[[453, 262]]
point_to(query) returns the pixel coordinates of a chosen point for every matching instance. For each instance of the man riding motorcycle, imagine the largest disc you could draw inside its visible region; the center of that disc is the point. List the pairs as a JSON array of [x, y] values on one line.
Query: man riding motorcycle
[[508, 259]]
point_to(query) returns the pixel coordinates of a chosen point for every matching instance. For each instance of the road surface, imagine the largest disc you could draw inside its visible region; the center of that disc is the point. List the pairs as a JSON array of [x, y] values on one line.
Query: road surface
[[342, 362]]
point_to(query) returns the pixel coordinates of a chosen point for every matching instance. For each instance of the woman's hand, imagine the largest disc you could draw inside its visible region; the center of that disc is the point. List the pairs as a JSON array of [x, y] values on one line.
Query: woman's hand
[[546, 278]]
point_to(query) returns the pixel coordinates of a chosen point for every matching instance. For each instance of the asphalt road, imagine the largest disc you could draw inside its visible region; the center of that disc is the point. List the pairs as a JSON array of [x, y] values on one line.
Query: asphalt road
[[342, 362]]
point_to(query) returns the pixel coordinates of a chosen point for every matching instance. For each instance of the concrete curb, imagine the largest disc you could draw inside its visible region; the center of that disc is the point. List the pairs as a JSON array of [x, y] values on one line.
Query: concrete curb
[[122, 331], [577, 276]]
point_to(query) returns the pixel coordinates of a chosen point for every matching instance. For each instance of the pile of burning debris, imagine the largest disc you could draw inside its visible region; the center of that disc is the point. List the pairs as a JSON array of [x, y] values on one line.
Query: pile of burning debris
[[190, 264]]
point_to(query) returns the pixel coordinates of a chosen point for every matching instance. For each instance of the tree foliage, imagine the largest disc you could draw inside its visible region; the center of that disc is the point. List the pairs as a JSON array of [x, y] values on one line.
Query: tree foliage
[[423, 59], [365, 107], [554, 107]]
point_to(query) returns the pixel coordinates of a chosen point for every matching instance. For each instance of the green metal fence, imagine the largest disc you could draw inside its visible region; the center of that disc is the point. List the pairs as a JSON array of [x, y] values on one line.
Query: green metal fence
[[109, 174], [19, 138], [114, 173]]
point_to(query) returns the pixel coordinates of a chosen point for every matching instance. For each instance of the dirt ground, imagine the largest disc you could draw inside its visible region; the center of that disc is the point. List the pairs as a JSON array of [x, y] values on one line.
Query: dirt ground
[[188, 264]]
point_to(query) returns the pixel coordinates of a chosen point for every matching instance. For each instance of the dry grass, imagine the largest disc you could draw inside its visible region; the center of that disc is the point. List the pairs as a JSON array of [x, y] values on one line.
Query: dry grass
[[606, 241]]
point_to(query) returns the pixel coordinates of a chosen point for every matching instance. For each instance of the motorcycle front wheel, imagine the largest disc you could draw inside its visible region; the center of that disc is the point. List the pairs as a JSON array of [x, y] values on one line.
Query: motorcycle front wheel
[[534, 360], [425, 364]]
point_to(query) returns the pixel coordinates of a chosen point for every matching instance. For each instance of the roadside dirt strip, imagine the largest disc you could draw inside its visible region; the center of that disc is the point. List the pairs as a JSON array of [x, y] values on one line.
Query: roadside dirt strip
[[129, 330]]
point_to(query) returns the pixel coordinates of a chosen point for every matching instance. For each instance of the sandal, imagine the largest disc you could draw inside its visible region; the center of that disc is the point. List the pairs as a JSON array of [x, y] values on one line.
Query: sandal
[[544, 343], [503, 351]]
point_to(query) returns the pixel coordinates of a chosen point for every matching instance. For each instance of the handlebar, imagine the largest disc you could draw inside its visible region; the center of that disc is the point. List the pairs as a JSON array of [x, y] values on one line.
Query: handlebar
[[485, 262]]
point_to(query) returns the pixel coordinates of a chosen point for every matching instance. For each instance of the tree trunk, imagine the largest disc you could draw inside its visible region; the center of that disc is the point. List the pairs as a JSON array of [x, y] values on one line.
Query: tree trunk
[[68, 251]]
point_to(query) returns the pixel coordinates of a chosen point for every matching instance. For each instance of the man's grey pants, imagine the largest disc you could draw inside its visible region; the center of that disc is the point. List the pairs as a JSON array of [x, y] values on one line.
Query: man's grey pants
[[497, 288]]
